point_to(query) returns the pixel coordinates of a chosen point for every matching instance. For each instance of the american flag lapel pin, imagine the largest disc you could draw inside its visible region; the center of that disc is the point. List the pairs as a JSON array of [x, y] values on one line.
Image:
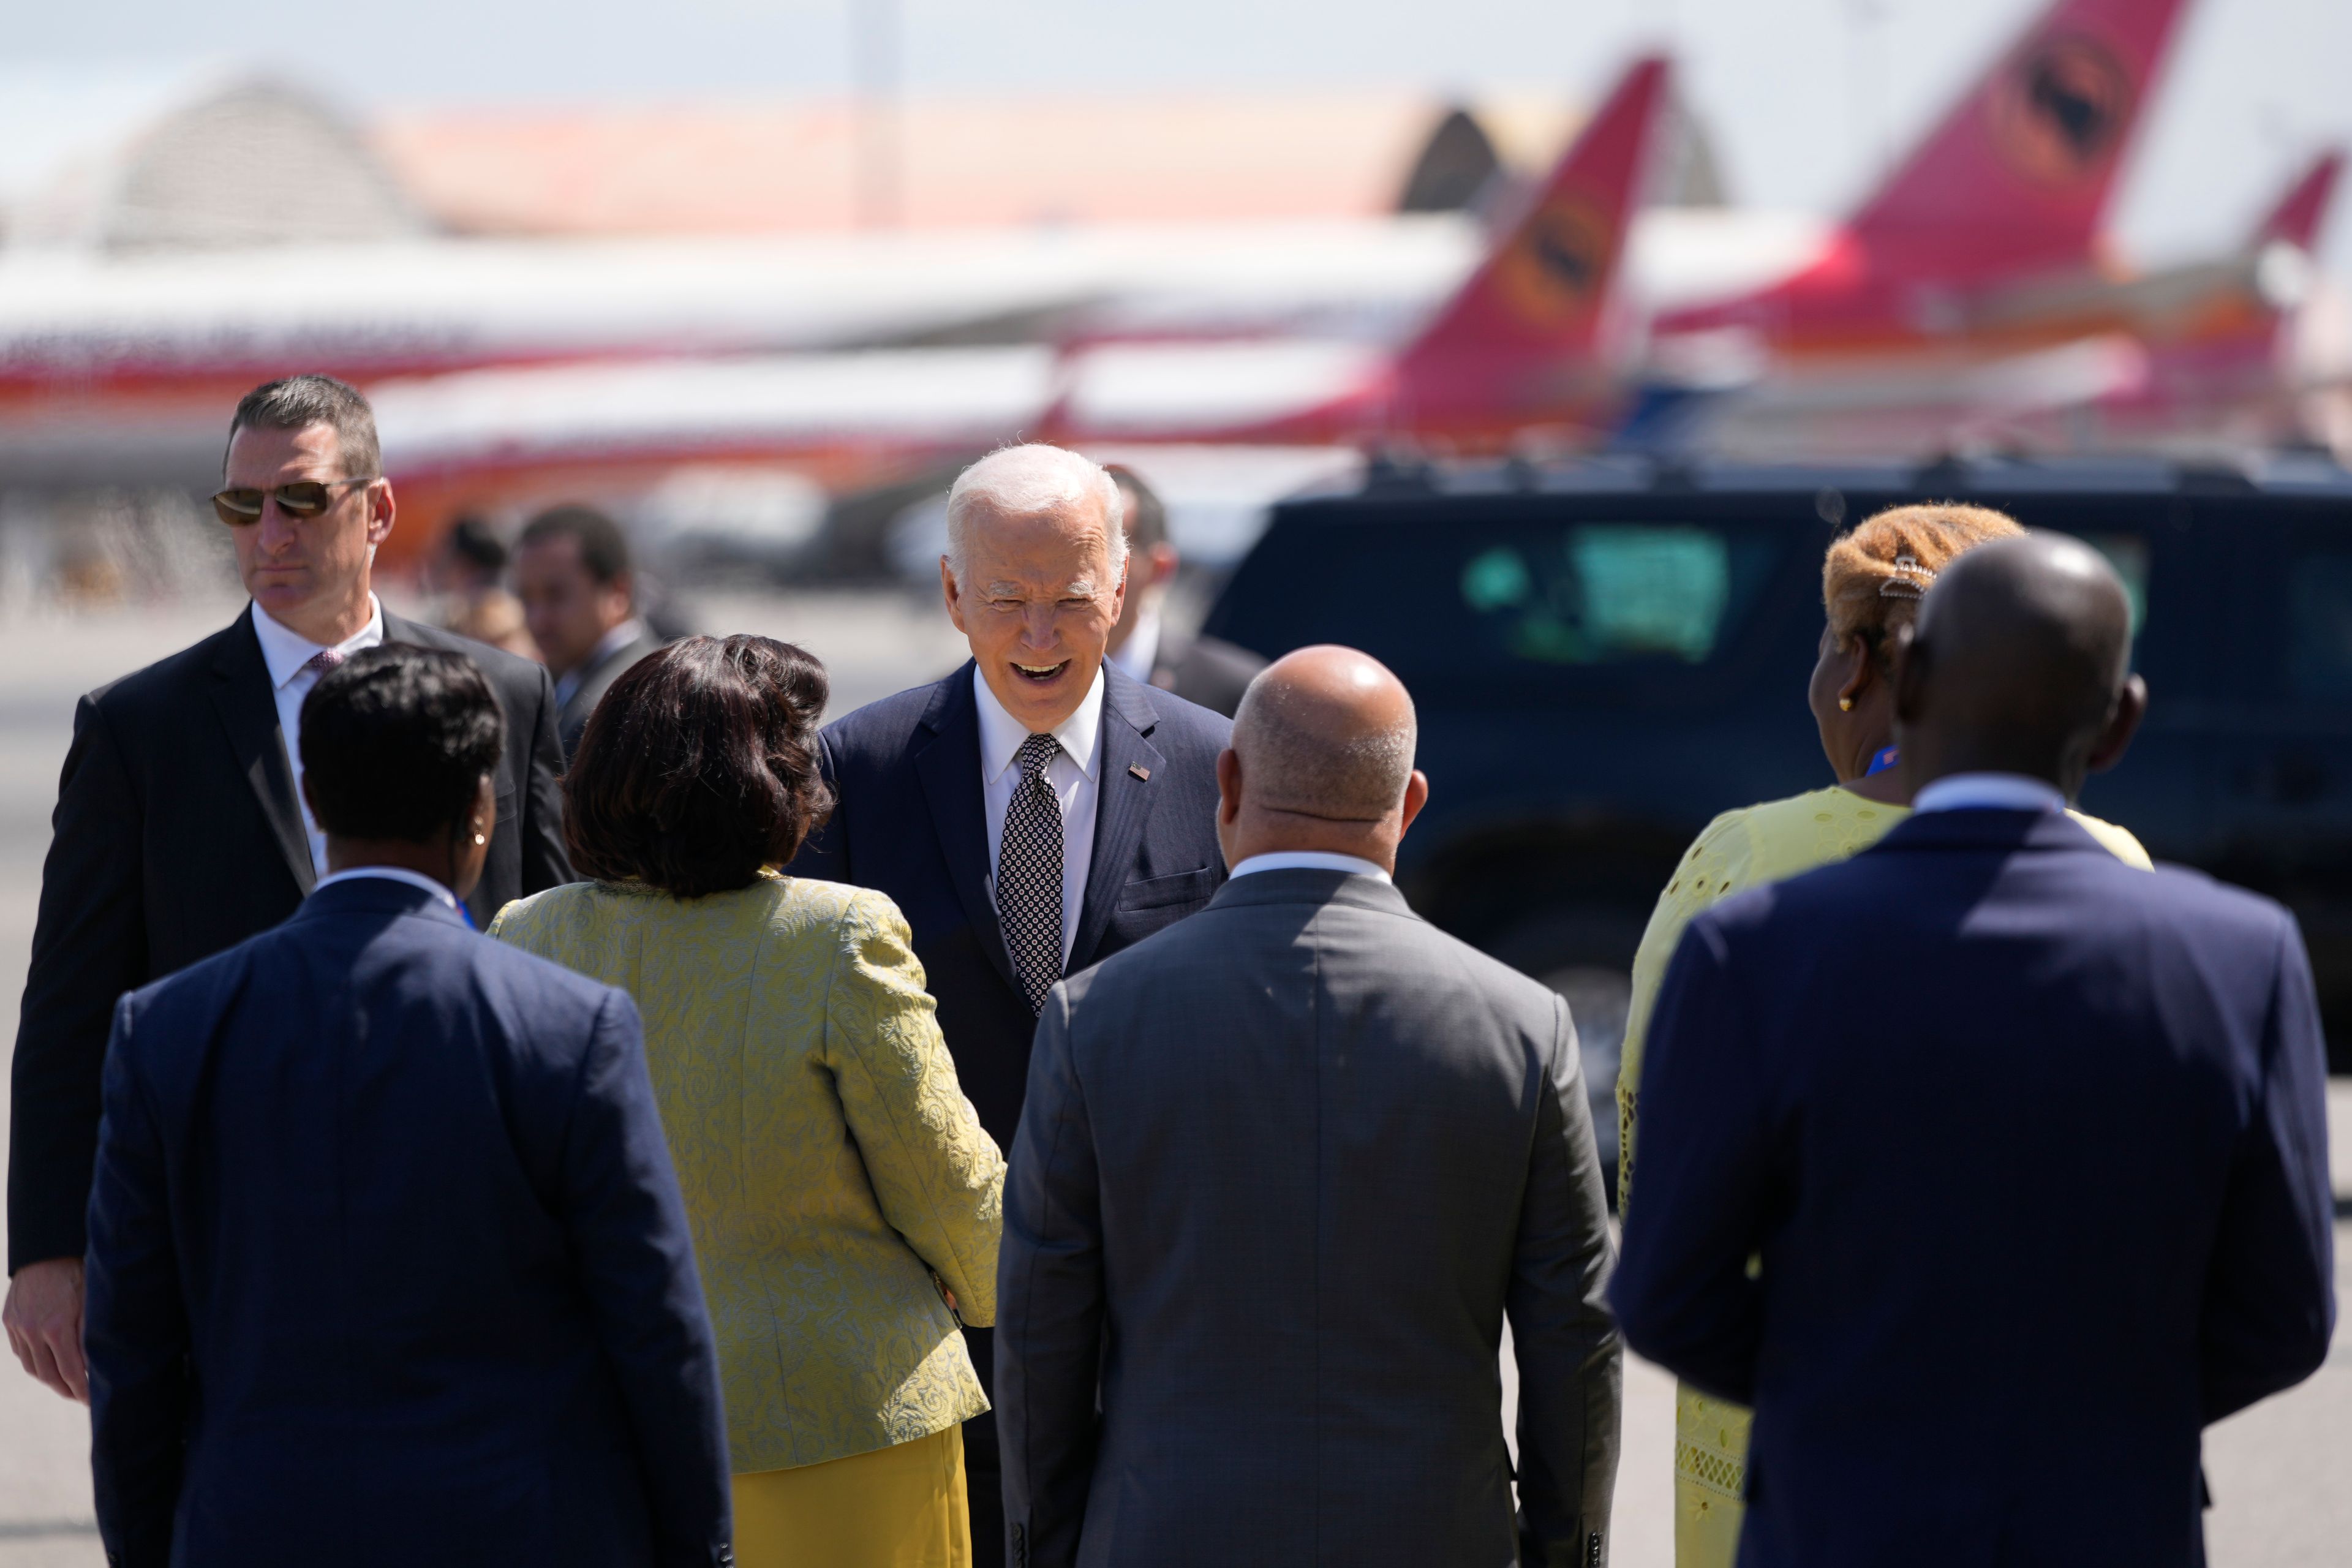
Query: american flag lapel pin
[[1140, 771]]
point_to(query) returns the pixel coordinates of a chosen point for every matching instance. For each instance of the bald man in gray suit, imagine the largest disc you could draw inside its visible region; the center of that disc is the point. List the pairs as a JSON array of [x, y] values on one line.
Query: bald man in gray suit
[[1282, 1171]]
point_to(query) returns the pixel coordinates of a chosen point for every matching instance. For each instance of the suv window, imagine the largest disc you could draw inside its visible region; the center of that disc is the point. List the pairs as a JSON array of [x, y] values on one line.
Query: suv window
[[1595, 593], [1478, 597]]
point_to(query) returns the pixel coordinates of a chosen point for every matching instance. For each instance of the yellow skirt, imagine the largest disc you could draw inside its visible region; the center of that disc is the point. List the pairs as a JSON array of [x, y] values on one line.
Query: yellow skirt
[[1710, 1473], [900, 1506]]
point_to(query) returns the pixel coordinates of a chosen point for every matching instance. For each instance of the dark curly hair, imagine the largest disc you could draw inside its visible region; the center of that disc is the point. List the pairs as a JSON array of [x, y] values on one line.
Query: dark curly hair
[[396, 741], [699, 767]]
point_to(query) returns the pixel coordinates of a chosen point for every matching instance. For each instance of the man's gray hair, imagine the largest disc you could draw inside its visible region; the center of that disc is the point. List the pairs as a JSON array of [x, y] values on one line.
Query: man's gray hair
[[1021, 482], [299, 402], [1293, 758]]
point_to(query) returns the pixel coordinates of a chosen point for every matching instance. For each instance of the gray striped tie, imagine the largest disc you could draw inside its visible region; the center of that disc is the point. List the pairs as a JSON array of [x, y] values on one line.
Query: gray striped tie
[[1029, 874]]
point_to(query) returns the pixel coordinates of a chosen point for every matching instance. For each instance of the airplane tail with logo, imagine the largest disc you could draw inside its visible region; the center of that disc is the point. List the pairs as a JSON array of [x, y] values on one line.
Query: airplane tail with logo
[[1543, 292], [2016, 178], [2297, 218]]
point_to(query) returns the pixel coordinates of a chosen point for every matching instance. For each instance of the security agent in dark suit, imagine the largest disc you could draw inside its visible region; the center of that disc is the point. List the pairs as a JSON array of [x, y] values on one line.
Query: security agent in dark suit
[[2030, 1145], [579, 599], [387, 1259], [1208, 671], [1283, 1172], [179, 828], [1035, 812]]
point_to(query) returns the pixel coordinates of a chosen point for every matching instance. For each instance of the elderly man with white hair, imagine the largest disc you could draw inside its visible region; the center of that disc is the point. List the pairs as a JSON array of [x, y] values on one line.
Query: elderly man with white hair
[[1035, 812]]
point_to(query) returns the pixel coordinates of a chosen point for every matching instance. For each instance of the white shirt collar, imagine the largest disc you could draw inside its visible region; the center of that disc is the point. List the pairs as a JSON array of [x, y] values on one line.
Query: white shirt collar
[[1140, 652], [393, 874], [1001, 734], [1306, 861], [284, 650], [1988, 791]]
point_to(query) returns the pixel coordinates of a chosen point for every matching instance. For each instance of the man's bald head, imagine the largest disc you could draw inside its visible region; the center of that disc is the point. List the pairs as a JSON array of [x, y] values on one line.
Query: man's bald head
[[1326, 731], [1321, 759], [2020, 662]]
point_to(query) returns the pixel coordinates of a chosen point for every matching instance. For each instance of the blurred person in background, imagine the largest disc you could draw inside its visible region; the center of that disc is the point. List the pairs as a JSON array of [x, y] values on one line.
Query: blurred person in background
[[1872, 585], [1205, 670], [387, 1265], [579, 599], [181, 827], [844, 1196], [1284, 1170], [1987, 1167], [468, 572], [1035, 812]]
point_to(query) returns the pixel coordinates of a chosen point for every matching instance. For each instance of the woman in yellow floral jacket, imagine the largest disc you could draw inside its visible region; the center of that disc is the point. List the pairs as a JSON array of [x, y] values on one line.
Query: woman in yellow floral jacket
[[844, 1201], [1870, 583]]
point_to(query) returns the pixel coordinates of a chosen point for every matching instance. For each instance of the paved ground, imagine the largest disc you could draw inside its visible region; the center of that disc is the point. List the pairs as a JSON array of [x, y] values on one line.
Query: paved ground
[[2277, 1470]]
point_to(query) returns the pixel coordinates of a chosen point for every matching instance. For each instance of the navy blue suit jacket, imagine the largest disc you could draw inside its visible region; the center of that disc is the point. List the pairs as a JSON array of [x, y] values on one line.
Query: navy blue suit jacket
[[388, 1264], [2033, 1146], [909, 822]]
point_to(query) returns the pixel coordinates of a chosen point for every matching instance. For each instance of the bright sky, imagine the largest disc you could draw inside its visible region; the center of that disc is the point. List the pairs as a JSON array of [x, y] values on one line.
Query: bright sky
[[1804, 96]]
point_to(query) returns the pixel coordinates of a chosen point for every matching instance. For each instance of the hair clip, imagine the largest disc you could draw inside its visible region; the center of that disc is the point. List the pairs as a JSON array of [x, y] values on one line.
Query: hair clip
[[1910, 580]]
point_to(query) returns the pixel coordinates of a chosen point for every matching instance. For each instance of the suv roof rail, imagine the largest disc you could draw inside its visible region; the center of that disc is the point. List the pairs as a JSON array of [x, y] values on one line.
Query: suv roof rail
[[2213, 476], [1390, 472]]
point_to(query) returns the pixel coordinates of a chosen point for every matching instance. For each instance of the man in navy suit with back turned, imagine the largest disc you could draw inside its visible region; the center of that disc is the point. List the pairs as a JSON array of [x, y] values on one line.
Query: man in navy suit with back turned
[[1035, 812], [2032, 1147], [387, 1261]]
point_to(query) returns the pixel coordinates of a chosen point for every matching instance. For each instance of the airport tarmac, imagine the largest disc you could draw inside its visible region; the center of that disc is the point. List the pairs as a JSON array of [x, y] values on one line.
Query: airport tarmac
[[2276, 1471]]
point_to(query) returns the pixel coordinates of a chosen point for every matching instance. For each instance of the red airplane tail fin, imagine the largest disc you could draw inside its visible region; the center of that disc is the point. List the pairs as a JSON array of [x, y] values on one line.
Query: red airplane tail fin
[[1544, 288], [2297, 218], [2017, 176]]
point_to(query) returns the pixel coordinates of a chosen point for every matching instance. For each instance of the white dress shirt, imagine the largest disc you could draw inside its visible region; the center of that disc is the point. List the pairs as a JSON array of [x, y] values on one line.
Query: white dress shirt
[[287, 652], [1074, 774], [391, 873], [1140, 652], [608, 645], [1306, 861], [1988, 791]]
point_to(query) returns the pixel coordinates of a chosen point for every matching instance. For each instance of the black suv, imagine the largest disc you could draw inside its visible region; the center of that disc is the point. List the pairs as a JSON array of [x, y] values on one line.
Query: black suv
[[1605, 655]]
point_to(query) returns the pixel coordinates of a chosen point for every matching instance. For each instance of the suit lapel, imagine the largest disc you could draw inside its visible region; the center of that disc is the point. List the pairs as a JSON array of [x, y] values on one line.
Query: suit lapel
[[949, 766], [1122, 805], [247, 707]]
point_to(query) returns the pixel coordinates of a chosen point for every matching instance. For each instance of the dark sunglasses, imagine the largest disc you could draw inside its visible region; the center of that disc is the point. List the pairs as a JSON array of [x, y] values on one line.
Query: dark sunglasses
[[304, 497]]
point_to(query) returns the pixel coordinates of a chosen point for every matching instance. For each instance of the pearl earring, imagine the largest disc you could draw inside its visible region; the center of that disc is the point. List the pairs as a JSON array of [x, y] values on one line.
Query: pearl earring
[[479, 839]]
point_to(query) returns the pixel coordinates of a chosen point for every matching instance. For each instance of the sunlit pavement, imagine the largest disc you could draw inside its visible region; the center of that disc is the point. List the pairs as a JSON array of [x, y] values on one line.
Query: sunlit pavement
[[2277, 1470]]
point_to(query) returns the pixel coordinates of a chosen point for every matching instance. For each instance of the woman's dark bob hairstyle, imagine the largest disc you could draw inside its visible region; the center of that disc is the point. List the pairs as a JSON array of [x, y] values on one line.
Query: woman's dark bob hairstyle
[[397, 742], [699, 767]]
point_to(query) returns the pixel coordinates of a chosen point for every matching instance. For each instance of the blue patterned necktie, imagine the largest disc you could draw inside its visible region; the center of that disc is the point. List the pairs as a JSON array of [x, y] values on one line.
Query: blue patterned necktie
[[1029, 873]]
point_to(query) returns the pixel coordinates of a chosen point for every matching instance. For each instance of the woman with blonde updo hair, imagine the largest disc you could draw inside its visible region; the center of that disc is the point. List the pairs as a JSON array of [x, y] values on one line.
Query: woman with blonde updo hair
[[1871, 584]]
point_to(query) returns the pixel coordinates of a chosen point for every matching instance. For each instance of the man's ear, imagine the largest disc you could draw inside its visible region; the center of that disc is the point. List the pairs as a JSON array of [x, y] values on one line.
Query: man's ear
[[2131, 707], [1229, 785], [1907, 662], [381, 511], [948, 593], [1416, 796]]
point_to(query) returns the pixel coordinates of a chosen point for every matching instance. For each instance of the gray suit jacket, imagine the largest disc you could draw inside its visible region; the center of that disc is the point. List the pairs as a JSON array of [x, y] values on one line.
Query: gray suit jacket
[[1283, 1168]]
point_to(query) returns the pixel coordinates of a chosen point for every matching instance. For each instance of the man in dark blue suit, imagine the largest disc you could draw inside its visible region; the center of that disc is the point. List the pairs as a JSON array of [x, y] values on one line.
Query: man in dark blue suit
[[1033, 813], [2030, 1144], [387, 1262]]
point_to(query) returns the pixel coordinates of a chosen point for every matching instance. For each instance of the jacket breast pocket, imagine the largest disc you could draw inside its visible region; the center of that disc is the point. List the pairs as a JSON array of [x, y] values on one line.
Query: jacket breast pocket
[[1163, 892]]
